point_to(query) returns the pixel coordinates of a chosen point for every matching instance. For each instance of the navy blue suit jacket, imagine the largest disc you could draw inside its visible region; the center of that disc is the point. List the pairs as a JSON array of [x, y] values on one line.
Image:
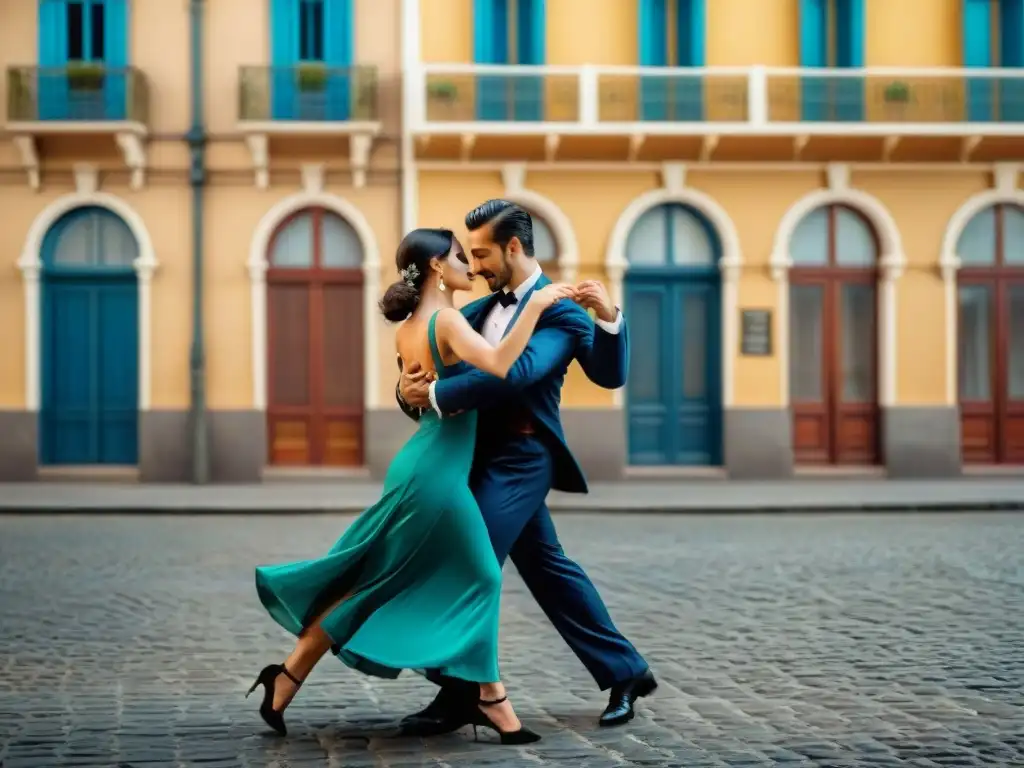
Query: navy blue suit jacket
[[564, 332]]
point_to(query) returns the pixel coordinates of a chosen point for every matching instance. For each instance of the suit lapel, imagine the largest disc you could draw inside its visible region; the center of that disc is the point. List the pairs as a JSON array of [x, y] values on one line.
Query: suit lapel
[[541, 282], [476, 314]]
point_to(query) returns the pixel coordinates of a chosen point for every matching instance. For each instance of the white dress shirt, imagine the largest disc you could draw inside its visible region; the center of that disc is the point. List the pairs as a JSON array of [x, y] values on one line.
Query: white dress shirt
[[499, 317]]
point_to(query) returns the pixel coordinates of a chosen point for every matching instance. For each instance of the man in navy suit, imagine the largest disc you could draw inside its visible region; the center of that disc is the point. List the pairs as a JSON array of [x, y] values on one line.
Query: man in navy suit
[[521, 454]]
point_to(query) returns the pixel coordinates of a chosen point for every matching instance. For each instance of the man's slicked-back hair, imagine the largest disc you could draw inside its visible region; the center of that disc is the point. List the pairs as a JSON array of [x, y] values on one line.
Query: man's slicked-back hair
[[507, 220]]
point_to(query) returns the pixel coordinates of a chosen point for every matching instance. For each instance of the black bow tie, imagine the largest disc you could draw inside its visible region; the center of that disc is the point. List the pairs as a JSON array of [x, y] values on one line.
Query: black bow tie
[[507, 299]]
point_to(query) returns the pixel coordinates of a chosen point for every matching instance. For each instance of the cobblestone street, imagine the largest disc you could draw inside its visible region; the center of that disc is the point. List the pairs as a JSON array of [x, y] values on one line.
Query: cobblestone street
[[808, 640]]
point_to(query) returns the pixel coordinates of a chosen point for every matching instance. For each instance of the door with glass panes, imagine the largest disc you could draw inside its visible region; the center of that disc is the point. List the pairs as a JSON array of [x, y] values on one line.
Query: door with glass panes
[[833, 360], [991, 336]]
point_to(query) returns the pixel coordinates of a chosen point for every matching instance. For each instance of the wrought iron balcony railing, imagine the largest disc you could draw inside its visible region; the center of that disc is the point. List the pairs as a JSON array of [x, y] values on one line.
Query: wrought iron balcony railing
[[83, 92], [755, 100], [308, 93]]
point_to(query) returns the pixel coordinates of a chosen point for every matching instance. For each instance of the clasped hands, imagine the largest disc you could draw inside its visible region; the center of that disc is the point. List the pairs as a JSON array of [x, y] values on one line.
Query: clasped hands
[[414, 382]]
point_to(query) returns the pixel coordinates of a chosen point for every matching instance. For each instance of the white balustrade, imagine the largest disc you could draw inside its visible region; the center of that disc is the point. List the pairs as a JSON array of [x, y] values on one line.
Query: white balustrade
[[882, 101]]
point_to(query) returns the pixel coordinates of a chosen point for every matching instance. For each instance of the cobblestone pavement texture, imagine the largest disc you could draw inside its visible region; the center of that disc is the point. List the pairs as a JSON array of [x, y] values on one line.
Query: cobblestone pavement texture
[[778, 640]]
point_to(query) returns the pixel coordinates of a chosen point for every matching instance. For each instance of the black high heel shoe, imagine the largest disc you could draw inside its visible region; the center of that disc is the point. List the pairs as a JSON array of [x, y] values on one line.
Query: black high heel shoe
[[509, 738], [268, 679]]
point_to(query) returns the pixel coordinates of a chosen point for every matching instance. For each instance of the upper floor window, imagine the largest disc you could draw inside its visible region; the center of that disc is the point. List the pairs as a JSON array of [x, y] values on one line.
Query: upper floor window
[[314, 31], [86, 30], [311, 30], [672, 33], [509, 31], [832, 33]]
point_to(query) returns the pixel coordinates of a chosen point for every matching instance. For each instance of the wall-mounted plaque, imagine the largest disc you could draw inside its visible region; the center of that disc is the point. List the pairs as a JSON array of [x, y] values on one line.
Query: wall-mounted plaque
[[756, 332]]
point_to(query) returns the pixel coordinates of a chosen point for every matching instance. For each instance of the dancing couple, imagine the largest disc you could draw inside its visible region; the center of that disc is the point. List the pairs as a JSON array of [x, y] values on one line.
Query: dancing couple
[[415, 580]]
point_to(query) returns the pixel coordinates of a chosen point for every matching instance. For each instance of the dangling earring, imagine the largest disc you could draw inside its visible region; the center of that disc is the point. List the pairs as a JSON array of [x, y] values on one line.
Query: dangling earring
[[440, 285]]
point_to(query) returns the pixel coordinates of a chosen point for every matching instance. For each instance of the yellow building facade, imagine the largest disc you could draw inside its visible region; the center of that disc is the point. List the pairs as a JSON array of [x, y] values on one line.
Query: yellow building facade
[[809, 218]]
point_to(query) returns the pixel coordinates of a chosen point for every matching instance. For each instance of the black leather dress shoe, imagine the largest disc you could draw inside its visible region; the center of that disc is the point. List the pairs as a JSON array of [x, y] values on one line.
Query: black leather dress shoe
[[449, 711], [623, 697]]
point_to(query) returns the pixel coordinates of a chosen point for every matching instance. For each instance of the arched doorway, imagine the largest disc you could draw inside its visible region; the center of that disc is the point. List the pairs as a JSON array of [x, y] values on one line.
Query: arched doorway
[[991, 336], [833, 355], [89, 377], [315, 342], [673, 298]]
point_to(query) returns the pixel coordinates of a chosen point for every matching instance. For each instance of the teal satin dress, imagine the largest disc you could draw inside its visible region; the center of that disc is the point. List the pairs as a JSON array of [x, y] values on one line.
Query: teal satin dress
[[419, 584]]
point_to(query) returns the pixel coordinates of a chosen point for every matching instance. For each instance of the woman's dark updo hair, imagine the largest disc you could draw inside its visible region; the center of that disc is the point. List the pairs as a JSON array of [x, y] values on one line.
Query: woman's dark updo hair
[[413, 257]]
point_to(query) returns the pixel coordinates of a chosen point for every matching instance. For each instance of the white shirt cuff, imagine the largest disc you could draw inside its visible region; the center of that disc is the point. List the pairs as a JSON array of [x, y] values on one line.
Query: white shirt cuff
[[612, 327], [433, 400]]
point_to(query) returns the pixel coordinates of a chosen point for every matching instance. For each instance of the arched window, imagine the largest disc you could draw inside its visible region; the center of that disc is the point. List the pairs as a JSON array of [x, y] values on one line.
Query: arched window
[[671, 235], [316, 238], [833, 236], [90, 237]]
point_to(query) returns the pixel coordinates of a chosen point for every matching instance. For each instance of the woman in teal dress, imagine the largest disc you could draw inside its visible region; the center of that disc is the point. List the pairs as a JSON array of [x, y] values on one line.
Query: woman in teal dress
[[413, 583]]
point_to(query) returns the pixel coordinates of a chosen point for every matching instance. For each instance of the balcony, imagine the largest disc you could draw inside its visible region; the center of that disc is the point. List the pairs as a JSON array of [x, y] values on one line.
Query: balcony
[[306, 101], [81, 98], [553, 112]]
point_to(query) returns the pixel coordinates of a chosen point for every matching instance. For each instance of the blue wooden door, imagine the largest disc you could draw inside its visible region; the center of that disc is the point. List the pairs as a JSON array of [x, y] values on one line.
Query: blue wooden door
[[696, 381], [674, 403], [649, 305], [90, 370], [90, 341], [672, 300]]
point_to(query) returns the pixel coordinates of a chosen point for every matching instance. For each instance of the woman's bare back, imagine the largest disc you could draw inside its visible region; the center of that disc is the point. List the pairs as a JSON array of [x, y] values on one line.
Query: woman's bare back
[[413, 344]]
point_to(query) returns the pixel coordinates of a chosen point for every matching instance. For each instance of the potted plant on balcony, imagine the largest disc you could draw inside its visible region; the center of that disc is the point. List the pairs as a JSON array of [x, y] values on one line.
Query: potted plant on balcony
[[443, 91], [896, 96], [444, 94], [85, 76], [312, 77]]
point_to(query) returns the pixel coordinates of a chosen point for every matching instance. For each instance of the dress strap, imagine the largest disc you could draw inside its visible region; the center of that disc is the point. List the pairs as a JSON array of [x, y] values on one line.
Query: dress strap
[[434, 352]]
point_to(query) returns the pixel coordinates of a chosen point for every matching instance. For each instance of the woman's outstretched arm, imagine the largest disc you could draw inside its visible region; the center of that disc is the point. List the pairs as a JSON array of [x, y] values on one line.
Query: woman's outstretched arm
[[454, 332]]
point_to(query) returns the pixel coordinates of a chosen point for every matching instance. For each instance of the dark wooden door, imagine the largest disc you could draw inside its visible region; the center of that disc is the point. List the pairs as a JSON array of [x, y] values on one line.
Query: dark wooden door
[[991, 368], [990, 348], [833, 330], [834, 368], [315, 355]]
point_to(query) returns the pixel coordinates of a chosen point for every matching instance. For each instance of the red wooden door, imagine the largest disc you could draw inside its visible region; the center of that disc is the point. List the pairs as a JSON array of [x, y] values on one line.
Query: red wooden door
[[833, 340], [991, 337], [315, 343]]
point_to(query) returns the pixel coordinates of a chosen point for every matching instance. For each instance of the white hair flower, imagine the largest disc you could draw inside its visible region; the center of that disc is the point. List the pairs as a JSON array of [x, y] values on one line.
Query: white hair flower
[[409, 274]]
